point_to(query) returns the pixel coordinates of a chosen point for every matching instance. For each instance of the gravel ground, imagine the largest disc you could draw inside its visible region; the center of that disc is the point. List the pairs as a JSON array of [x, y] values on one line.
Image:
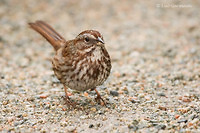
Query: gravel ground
[[155, 81]]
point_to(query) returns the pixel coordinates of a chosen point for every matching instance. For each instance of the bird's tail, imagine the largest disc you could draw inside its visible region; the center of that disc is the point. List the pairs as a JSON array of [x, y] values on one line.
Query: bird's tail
[[55, 39]]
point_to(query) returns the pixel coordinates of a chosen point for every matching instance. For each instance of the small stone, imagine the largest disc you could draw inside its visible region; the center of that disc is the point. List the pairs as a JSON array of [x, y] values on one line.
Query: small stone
[[19, 122], [183, 120], [190, 124], [134, 101], [117, 74], [100, 112], [30, 99], [183, 110], [161, 94], [141, 95], [147, 98], [82, 117], [43, 96], [196, 120], [10, 119], [114, 93], [104, 118], [162, 108], [16, 123], [177, 116], [85, 94], [72, 129], [135, 122], [161, 126], [55, 80], [24, 114], [186, 99], [125, 89], [132, 127], [19, 116], [43, 131], [5, 102], [98, 125], [93, 109], [63, 124], [91, 126], [120, 92], [192, 116], [153, 121]]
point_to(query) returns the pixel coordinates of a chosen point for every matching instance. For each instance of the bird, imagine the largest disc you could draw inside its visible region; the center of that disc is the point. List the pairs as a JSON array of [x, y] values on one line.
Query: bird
[[82, 63]]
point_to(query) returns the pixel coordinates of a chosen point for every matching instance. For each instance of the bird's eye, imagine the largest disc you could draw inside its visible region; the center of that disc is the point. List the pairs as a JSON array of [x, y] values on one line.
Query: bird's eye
[[86, 39]]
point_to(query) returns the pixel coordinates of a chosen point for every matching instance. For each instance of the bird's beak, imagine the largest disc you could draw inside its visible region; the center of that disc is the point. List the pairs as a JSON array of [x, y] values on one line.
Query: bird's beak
[[100, 40]]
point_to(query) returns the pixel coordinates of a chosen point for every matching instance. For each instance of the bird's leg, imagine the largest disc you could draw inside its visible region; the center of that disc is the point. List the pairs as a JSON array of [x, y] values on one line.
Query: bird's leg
[[68, 101], [99, 98]]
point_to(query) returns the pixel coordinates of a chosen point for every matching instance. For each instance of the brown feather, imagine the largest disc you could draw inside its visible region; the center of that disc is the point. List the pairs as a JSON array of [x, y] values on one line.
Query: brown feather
[[55, 39]]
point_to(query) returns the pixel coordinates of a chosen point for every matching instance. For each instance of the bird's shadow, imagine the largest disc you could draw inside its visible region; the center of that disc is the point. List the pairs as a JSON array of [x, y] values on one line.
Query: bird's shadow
[[86, 104]]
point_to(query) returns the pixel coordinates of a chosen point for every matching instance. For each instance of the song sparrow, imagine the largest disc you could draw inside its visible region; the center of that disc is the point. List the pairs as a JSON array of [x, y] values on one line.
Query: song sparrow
[[80, 64]]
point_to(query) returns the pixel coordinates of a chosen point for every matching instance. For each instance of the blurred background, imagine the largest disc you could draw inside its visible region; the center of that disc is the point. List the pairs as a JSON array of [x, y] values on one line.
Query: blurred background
[[154, 46], [129, 27]]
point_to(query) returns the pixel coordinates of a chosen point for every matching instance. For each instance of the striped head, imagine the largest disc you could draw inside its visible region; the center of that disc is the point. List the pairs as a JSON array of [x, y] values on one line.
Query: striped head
[[89, 39]]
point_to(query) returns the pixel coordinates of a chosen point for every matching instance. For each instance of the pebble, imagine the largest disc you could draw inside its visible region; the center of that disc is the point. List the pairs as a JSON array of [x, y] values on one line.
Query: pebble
[[114, 93], [5, 102], [24, 114], [134, 128], [161, 94], [43, 96], [161, 126], [93, 109], [83, 117], [185, 99], [91, 126], [72, 129], [162, 108], [100, 112], [177, 116], [184, 110], [183, 120], [196, 120], [141, 95], [134, 101]]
